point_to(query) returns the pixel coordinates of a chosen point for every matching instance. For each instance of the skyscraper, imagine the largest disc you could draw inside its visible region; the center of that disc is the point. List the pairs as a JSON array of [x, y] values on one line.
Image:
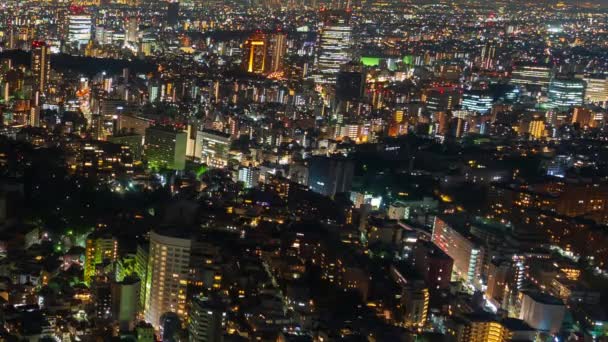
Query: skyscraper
[[207, 320], [41, 65], [172, 13], [125, 302], [168, 272], [79, 28], [132, 30], [334, 49], [532, 76], [565, 93], [165, 148], [263, 53]]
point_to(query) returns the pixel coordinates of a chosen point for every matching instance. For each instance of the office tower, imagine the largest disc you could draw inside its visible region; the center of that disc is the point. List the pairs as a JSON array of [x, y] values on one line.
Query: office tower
[[250, 176], [596, 89], [441, 98], [212, 147], [542, 311], [79, 28], [277, 48], [207, 320], [329, 175], [172, 13], [477, 100], [132, 30], [488, 55], [263, 53], [133, 141], [100, 248], [534, 77], [582, 116], [433, 264], [415, 305], [565, 93], [335, 43], [168, 274], [165, 147], [451, 235], [255, 52], [125, 302], [41, 65]]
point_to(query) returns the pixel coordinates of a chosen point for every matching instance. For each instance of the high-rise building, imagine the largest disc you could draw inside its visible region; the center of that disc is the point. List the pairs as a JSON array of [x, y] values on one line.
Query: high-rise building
[[542, 311], [132, 30], [168, 274], [582, 116], [596, 89], [125, 302], [532, 76], [451, 235], [79, 28], [565, 93], [165, 147], [100, 247], [441, 98], [415, 305], [433, 264], [477, 100], [212, 147], [249, 176], [334, 49], [172, 13], [207, 320], [41, 65], [263, 53], [329, 176]]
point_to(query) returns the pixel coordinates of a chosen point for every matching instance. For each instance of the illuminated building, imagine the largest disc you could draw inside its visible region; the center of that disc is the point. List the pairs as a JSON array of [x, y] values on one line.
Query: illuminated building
[[565, 93], [542, 311], [79, 28], [596, 89], [441, 99], [133, 141], [41, 65], [165, 148], [534, 76], [478, 101], [536, 128], [99, 248], [415, 305], [249, 176], [125, 302], [335, 43], [168, 274], [452, 236], [132, 30], [480, 330], [263, 53], [484, 327], [212, 147], [433, 264], [207, 320], [141, 270], [256, 48], [582, 116]]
